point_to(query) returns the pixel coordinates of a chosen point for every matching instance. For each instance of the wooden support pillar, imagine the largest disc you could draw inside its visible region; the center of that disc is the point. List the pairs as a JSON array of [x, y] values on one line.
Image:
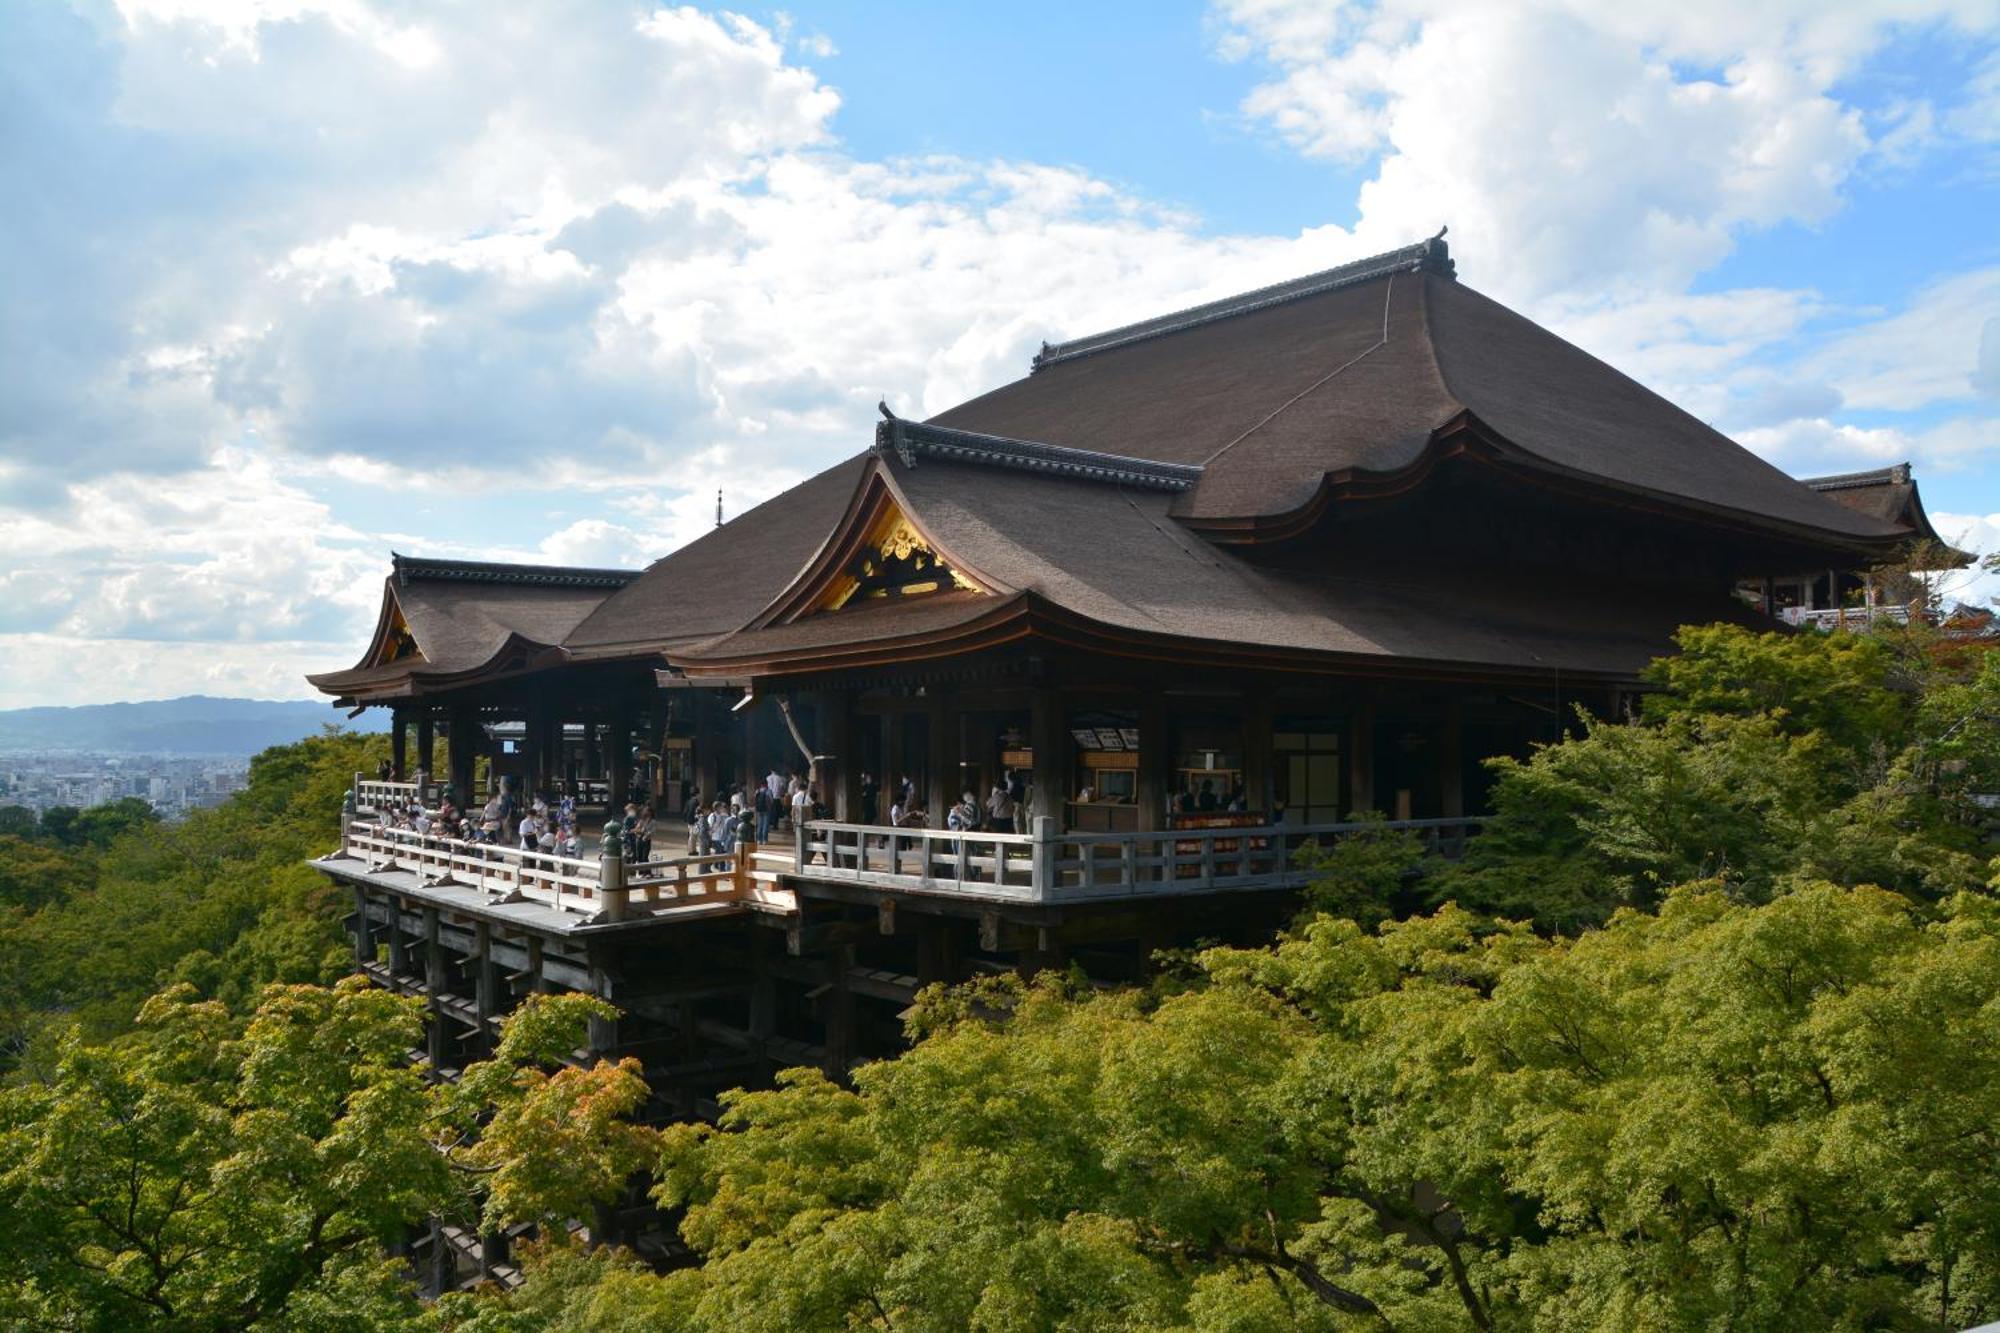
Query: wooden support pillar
[[1152, 781], [941, 755], [937, 951], [538, 979], [1361, 755], [763, 989], [1260, 784], [603, 1036], [707, 773], [364, 935], [396, 752], [444, 1261], [839, 1003], [466, 737], [424, 741], [619, 751], [485, 981], [748, 770], [843, 785], [593, 751], [1451, 759], [541, 763], [1048, 734], [434, 984], [1047, 953], [399, 959], [895, 765]]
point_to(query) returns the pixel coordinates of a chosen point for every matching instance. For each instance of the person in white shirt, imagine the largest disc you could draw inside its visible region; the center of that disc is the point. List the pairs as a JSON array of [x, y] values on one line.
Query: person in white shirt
[[530, 831], [1000, 809], [719, 824], [801, 806]]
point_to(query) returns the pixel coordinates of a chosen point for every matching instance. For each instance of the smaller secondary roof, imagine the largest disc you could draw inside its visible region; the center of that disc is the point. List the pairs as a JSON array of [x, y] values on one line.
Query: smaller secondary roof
[[453, 622], [1888, 494]]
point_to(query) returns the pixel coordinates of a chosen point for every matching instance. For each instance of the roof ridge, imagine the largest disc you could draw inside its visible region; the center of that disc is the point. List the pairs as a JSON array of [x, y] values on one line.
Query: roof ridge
[[1432, 256], [1896, 474], [409, 568], [907, 439]]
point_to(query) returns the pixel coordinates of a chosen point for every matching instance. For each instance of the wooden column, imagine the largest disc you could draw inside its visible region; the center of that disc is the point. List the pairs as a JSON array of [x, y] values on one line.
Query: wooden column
[[364, 936], [1260, 787], [424, 740], [485, 981], [396, 755], [747, 768], [940, 761], [839, 1003], [1361, 755], [593, 751], [843, 785], [763, 993], [603, 1032], [1049, 735], [1150, 784], [465, 735], [707, 769], [894, 765], [1451, 759], [399, 961], [618, 746], [535, 739], [937, 951], [434, 987]]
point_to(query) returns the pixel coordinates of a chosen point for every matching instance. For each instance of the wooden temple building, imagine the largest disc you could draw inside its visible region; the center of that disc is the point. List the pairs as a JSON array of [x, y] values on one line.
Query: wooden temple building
[[1205, 584]]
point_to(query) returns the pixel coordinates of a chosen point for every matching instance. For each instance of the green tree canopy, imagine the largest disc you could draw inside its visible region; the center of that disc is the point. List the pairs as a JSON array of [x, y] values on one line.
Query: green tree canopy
[[211, 1173]]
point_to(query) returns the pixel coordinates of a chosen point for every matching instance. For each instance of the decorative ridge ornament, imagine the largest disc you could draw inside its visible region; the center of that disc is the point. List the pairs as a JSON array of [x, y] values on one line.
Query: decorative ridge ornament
[[1428, 256], [908, 439]]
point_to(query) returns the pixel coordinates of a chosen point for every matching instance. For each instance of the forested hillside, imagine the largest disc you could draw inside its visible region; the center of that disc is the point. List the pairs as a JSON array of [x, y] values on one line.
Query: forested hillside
[[1704, 1033], [101, 908]]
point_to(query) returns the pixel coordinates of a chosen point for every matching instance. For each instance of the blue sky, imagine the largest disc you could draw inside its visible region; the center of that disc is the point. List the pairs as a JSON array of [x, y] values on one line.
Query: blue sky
[[291, 283]]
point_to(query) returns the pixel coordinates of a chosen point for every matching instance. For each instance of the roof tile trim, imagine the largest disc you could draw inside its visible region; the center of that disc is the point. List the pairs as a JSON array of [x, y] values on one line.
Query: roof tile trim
[[415, 569], [1431, 256], [1896, 475], [908, 439]]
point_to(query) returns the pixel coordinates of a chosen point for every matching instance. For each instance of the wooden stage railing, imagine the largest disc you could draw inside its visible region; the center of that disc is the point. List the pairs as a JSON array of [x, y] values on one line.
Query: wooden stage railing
[[590, 888], [1049, 867]]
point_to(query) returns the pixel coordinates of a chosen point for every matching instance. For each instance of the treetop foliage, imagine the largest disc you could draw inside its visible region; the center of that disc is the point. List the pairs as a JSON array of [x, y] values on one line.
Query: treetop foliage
[[1705, 1033]]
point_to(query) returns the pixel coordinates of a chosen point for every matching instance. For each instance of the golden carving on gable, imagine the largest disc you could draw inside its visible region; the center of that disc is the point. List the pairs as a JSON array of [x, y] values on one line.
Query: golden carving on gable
[[893, 561], [398, 643]]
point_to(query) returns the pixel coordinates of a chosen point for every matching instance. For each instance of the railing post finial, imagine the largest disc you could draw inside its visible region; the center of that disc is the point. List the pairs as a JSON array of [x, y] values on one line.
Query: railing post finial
[[611, 892]]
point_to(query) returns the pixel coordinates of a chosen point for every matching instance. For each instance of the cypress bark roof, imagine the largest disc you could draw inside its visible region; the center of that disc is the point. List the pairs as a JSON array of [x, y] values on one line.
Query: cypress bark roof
[[467, 619], [1888, 494], [1071, 556], [1277, 392]]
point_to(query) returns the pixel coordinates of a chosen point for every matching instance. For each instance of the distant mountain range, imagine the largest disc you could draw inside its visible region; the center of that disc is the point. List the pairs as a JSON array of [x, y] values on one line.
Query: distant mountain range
[[195, 725]]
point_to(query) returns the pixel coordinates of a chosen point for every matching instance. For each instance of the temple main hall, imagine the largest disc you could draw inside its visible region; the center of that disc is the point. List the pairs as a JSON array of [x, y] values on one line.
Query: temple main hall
[[1198, 591]]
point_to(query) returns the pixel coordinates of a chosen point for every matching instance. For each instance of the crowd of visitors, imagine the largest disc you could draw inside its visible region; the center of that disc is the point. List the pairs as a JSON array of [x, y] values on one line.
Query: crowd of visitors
[[538, 824], [779, 803]]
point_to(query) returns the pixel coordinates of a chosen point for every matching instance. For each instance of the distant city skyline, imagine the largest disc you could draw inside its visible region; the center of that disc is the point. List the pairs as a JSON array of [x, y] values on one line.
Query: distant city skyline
[[293, 283]]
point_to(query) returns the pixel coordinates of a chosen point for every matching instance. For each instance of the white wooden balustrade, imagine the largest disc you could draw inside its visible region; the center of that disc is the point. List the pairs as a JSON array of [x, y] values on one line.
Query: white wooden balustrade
[[568, 884], [372, 794], [1046, 866]]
